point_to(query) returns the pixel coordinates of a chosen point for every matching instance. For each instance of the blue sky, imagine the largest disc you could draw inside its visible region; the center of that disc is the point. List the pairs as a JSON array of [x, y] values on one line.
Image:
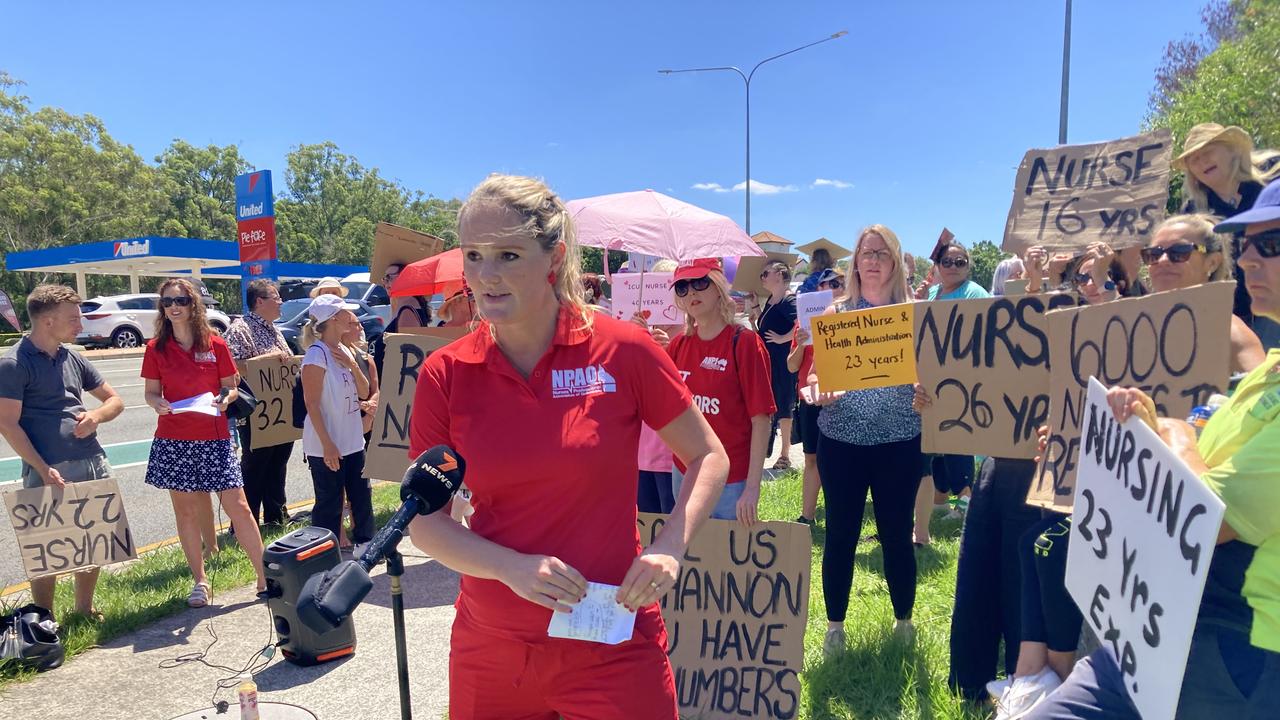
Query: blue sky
[[918, 117]]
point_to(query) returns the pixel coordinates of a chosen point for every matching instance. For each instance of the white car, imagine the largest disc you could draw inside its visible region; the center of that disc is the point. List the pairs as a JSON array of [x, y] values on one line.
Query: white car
[[128, 321]]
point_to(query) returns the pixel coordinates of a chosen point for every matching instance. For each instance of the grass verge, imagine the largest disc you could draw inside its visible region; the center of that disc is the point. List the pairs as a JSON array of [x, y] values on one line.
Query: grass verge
[[154, 586], [878, 677]]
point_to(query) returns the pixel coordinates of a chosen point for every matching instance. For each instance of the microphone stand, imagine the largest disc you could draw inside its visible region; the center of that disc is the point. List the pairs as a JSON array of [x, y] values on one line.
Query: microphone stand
[[395, 569]]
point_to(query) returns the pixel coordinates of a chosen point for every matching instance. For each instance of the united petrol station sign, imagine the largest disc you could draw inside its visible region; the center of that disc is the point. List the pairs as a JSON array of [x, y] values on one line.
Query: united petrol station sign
[[256, 225]]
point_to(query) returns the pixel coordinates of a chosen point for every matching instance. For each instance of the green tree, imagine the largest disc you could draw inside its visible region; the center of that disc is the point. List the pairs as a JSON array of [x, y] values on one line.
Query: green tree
[[1237, 83], [65, 180], [985, 256], [201, 185]]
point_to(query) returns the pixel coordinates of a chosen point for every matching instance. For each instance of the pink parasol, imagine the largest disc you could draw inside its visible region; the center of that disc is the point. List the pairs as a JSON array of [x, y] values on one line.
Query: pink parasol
[[440, 273], [649, 222]]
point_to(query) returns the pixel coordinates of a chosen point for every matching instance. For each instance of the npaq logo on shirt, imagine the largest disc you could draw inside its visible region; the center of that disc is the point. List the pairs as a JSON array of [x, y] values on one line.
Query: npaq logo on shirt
[[578, 382], [714, 363]]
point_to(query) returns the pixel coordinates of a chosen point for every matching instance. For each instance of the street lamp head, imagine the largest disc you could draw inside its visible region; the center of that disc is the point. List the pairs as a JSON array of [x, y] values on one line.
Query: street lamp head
[[840, 34], [664, 72]]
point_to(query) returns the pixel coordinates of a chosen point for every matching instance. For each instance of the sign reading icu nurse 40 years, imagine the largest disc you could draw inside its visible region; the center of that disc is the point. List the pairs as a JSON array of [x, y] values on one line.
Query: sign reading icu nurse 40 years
[[865, 348]]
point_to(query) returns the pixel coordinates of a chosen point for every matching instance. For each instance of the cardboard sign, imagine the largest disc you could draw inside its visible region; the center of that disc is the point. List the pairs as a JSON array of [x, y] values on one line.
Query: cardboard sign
[[7, 312], [1142, 536], [77, 526], [809, 306], [865, 348], [746, 277], [395, 244], [944, 239], [986, 364], [1176, 346], [1017, 286], [388, 453], [647, 293], [1072, 195], [736, 618], [272, 381]]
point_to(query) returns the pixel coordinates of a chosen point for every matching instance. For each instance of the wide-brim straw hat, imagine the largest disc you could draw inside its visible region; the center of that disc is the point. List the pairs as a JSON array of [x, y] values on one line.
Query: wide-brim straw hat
[[1206, 133], [837, 251]]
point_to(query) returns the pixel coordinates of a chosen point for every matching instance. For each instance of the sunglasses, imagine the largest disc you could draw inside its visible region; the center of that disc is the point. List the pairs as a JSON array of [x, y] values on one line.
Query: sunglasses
[[1083, 279], [834, 284], [953, 262], [1179, 253], [180, 301], [1266, 243], [682, 286]]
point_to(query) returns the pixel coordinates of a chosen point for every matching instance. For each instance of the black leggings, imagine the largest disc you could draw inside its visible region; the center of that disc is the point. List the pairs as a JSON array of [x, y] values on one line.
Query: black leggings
[[1049, 615], [891, 471]]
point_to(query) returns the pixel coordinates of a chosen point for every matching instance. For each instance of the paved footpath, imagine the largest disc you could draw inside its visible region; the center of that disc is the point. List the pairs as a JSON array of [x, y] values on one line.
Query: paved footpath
[[124, 679]]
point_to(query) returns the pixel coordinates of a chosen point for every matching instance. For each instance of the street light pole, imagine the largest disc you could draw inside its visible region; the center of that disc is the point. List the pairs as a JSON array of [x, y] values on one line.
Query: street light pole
[[746, 80], [1066, 77]]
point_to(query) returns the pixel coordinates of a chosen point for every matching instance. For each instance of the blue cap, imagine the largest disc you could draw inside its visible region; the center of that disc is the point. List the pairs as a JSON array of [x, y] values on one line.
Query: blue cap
[[827, 276], [1265, 209]]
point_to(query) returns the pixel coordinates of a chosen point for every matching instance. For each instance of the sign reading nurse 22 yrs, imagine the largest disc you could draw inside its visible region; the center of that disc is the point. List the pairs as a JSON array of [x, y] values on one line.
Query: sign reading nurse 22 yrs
[[1141, 541], [1072, 195]]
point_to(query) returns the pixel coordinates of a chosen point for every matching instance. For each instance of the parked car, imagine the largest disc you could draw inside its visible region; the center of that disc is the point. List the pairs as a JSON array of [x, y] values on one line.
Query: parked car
[[293, 315], [129, 321]]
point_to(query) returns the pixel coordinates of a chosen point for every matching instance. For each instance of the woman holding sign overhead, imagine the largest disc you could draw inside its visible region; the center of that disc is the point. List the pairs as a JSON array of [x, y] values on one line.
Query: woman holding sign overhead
[[870, 441], [1233, 667], [544, 402], [187, 365]]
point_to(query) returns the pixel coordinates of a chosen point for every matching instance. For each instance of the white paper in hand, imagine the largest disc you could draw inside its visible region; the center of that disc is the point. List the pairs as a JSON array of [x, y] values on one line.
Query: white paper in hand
[[810, 305], [202, 403], [599, 617]]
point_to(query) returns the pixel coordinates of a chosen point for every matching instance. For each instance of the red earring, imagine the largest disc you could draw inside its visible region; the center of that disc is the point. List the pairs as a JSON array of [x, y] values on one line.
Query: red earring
[[551, 278]]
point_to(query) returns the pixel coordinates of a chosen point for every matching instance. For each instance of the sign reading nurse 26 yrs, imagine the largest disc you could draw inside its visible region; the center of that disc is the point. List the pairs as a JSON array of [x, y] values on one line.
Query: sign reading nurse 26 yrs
[[1069, 196]]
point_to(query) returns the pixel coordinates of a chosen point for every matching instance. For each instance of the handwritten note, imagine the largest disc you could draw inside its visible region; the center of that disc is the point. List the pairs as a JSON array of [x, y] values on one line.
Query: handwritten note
[[597, 618]]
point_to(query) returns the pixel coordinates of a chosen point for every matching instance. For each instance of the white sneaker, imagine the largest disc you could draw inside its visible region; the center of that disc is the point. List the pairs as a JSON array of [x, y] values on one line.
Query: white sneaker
[[1025, 693], [996, 688]]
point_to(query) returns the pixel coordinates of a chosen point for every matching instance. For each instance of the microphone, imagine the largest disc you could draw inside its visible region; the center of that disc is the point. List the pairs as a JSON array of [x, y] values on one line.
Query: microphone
[[328, 598]]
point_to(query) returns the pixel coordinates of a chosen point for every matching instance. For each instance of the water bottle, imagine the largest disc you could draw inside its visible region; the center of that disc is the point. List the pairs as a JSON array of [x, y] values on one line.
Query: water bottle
[[248, 692], [1200, 414]]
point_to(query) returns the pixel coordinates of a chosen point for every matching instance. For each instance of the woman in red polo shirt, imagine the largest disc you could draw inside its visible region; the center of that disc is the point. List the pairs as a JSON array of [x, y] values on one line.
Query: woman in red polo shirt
[[192, 454], [726, 368], [545, 400]]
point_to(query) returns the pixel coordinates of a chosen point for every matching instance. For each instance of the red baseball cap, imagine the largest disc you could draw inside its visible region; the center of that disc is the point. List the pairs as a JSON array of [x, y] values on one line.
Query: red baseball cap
[[694, 269]]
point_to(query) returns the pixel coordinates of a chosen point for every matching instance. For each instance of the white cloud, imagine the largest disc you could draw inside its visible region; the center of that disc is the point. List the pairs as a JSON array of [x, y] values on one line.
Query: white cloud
[[837, 184], [714, 187], [757, 188]]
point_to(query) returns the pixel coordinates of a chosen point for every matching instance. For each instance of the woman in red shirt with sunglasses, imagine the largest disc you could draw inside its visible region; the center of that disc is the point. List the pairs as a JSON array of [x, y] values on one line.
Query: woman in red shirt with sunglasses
[[726, 368]]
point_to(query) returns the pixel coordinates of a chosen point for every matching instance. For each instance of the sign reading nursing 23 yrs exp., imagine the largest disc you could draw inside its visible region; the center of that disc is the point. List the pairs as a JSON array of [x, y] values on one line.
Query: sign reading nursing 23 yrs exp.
[[864, 348]]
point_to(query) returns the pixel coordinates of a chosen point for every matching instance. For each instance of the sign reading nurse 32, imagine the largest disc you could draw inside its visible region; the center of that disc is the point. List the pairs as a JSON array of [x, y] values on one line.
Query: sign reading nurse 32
[[255, 217]]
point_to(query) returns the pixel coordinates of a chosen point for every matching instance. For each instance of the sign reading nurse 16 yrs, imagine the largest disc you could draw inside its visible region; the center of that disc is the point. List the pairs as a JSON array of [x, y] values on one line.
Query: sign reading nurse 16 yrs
[[736, 616], [1143, 535], [1072, 195], [1175, 346]]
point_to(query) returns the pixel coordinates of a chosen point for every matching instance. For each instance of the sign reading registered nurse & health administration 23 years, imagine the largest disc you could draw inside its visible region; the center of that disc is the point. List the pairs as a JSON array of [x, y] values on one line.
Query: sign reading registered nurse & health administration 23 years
[[1072, 195], [864, 348]]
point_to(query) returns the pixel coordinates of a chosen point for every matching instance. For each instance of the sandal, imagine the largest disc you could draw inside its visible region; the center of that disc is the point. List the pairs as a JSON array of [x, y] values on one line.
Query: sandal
[[94, 615], [200, 595], [783, 463]]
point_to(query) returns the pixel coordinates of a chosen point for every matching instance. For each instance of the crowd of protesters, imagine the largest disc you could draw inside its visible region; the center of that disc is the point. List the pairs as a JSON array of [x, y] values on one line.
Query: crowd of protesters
[[699, 407]]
